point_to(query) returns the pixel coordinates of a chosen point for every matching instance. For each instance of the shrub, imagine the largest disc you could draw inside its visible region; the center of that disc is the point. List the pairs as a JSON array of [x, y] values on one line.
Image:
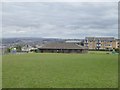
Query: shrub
[[117, 50]]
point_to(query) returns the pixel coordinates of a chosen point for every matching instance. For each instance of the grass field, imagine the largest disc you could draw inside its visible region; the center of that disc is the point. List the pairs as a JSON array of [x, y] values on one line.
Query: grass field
[[47, 70], [0, 71]]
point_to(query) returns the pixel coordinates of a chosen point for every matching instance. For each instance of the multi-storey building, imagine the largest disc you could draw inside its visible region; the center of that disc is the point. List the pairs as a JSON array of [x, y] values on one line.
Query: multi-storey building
[[101, 43]]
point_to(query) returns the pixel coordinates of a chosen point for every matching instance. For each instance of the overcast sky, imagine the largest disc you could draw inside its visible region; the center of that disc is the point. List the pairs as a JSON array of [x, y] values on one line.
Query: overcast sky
[[60, 19]]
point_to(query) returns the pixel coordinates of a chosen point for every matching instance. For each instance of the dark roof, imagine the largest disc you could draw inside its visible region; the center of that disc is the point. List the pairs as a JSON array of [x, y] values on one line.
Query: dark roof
[[62, 46], [118, 39], [100, 38]]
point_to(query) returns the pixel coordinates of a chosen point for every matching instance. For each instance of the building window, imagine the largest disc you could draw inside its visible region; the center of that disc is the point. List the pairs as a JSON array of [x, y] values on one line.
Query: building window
[[98, 45]]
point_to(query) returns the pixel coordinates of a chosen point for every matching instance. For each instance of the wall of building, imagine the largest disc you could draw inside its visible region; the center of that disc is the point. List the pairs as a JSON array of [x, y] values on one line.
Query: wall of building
[[63, 50], [92, 44]]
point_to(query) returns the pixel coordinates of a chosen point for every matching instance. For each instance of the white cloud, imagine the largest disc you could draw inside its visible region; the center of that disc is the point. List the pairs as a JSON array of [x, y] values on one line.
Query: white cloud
[[60, 0], [62, 20]]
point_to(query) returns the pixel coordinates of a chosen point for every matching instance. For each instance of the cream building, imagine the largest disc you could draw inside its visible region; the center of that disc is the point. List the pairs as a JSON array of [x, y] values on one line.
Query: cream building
[[108, 43]]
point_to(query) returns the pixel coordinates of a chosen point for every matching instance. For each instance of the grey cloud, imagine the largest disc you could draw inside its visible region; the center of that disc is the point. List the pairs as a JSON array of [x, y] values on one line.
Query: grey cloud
[[62, 20]]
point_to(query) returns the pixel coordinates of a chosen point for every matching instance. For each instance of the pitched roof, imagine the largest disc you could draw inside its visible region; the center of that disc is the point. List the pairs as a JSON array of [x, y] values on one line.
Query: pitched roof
[[100, 38], [62, 46]]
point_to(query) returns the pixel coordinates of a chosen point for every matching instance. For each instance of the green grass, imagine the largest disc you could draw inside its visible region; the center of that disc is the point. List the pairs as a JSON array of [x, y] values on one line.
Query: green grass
[[0, 71], [60, 71], [100, 52]]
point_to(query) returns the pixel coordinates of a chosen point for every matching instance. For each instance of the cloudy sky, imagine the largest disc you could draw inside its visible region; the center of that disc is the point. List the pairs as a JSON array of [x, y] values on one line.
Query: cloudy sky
[[59, 19]]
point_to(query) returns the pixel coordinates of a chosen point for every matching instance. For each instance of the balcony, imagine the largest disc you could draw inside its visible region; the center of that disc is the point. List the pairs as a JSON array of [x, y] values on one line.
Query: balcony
[[85, 41], [98, 45], [98, 42], [108, 45]]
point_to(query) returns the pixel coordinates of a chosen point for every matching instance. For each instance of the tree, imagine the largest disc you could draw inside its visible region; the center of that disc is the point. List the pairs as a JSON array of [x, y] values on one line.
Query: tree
[[117, 50], [37, 50], [7, 50], [82, 43], [18, 48]]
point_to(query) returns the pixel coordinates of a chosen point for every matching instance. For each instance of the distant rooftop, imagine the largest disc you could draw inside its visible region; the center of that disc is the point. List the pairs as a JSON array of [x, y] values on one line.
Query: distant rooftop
[[100, 38], [62, 46]]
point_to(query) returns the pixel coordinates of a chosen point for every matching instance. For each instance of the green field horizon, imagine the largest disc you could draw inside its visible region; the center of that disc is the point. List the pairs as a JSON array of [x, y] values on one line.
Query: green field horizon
[[53, 70]]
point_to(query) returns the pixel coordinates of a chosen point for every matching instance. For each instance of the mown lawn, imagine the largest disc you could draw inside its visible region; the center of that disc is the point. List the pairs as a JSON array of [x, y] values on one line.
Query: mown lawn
[[60, 71], [0, 71]]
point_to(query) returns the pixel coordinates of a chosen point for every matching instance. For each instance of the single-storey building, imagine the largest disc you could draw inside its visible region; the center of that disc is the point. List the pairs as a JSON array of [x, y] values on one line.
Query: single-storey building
[[63, 48], [27, 48]]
